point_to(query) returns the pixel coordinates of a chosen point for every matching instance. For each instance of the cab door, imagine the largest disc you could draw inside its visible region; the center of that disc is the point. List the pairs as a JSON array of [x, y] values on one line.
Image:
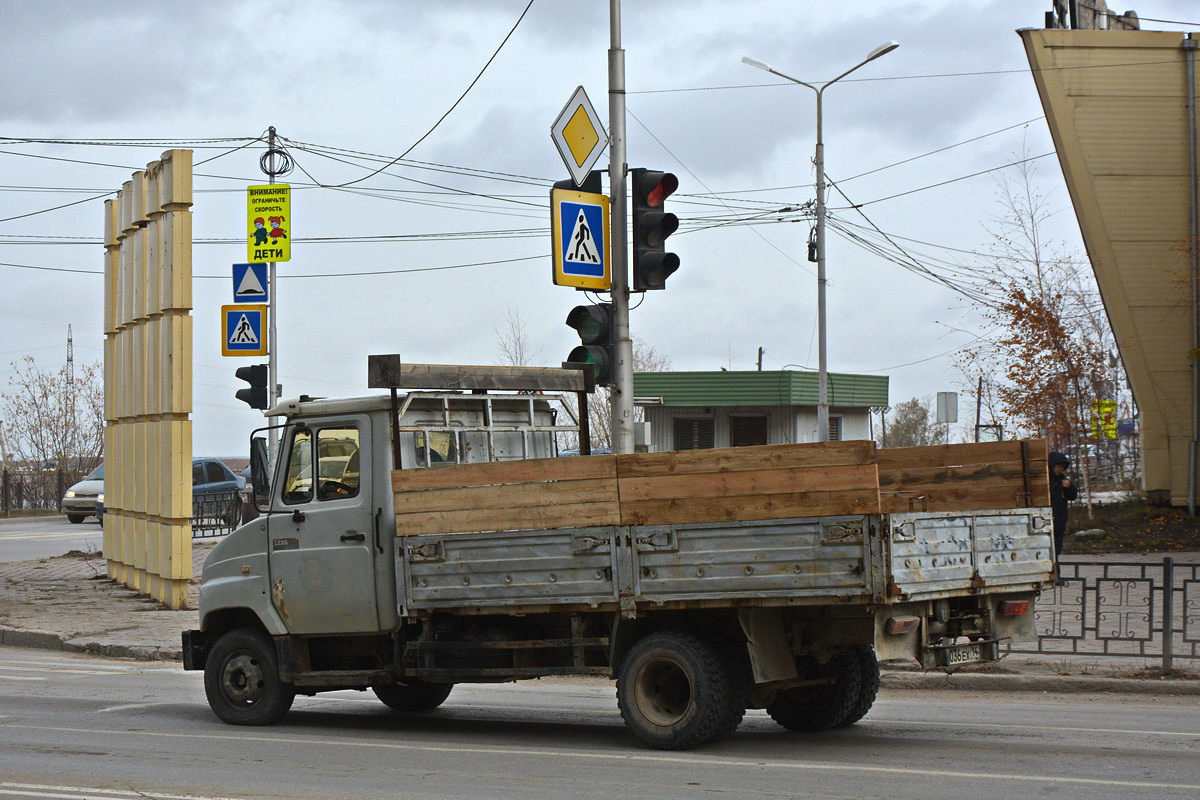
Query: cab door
[[322, 544]]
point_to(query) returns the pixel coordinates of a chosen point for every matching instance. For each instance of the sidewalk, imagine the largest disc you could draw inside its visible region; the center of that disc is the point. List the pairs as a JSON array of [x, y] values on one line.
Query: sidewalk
[[68, 603]]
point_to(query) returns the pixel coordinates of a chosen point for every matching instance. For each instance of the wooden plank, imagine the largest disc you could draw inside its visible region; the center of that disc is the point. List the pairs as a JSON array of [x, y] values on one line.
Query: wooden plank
[[537, 517], [949, 455], [503, 472], [749, 482], [515, 495], [961, 497], [681, 511], [732, 459], [388, 372]]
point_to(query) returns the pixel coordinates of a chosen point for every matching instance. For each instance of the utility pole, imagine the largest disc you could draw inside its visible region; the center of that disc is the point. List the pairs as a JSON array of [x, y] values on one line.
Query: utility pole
[[273, 385], [622, 388]]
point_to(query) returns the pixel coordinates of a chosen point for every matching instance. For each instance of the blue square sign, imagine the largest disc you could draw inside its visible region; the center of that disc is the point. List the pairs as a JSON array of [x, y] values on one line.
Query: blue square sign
[[250, 283]]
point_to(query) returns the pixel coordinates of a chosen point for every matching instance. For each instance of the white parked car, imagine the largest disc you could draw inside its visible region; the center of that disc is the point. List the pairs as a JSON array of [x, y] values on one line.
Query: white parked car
[[80, 500]]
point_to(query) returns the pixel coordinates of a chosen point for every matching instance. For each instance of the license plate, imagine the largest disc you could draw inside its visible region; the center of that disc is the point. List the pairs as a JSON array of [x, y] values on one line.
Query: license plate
[[962, 654]]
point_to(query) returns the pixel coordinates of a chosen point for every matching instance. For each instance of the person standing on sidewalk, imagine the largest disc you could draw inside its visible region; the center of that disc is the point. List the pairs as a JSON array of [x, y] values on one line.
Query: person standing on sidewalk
[[1062, 491]]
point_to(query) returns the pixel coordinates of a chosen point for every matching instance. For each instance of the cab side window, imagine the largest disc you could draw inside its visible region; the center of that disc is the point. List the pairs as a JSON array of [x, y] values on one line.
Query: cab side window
[[337, 463], [298, 482]]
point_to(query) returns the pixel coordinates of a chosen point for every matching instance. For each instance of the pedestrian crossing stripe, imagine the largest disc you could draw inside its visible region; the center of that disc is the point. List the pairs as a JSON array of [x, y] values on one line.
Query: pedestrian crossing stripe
[[243, 330], [580, 230]]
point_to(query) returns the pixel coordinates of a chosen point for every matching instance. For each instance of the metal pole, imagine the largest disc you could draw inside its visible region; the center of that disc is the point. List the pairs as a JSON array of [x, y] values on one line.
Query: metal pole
[[273, 385], [622, 389], [822, 360], [1168, 606], [1189, 49]]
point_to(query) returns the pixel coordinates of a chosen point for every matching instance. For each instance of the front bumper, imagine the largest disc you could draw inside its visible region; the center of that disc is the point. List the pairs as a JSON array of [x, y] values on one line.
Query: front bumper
[[79, 505]]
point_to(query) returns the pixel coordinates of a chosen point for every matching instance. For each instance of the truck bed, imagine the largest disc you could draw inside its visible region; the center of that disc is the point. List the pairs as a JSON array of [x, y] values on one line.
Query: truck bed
[[745, 526]]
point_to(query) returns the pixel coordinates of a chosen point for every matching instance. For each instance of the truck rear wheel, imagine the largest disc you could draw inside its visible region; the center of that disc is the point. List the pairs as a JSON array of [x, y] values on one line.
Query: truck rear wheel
[[811, 709], [241, 679], [414, 695], [868, 685], [677, 690]]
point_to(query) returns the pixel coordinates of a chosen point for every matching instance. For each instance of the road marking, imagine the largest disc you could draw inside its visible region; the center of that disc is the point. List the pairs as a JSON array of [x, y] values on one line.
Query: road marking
[[89, 793], [684, 759], [933, 724], [127, 706], [21, 678]]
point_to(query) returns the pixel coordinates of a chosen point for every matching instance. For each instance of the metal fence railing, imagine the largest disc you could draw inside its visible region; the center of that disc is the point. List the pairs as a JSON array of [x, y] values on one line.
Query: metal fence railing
[[215, 514], [1148, 610], [33, 490]]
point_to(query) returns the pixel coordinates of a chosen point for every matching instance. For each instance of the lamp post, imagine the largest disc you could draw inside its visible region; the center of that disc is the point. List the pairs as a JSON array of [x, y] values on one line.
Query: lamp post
[[819, 161]]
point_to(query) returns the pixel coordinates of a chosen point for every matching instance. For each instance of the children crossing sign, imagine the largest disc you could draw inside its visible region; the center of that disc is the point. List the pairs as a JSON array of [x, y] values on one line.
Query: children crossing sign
[[243, 332], [579, 229], [268, 209]]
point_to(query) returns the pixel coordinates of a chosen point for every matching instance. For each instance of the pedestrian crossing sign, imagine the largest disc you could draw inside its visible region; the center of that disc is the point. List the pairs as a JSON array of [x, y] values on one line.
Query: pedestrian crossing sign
[[579, 228], [244, 333]]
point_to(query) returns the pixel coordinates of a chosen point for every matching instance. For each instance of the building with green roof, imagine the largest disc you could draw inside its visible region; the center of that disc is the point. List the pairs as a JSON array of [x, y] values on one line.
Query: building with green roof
[[690, 410]]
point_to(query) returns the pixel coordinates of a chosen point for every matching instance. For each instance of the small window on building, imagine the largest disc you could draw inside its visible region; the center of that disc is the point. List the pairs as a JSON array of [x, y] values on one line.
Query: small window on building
[[694, 433], [747, 431], [835, 429]]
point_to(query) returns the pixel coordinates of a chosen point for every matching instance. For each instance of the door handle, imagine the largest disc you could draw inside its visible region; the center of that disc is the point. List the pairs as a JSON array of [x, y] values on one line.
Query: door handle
[[354, 537]]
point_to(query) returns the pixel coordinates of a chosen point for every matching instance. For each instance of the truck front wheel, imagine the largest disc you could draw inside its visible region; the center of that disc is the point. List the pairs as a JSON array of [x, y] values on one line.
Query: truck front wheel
[[241, 679], [415, 695], [811, 709], [676, 690]]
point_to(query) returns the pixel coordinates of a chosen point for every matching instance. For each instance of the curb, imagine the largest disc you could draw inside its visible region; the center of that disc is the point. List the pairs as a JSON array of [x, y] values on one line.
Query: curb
[[1058, 684], [43, 640]]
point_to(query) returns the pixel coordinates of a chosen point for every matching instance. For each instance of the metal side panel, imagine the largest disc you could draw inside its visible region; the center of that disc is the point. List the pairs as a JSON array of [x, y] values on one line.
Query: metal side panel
[[1014, 547], [506, 568], [944, 554], [811, 557]]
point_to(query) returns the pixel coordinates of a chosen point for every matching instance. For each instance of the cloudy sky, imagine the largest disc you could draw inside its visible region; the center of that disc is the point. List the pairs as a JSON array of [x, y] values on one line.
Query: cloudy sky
[[430, 257]]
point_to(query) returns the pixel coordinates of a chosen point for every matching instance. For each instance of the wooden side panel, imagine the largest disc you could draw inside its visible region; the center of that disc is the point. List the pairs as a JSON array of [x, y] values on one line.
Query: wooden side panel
[[963, 477], [748, 483], [511, 495]]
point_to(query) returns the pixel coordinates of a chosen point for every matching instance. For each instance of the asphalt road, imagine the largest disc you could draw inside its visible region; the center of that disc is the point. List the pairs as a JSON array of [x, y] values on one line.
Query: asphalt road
[[46, 537], [81, 727]]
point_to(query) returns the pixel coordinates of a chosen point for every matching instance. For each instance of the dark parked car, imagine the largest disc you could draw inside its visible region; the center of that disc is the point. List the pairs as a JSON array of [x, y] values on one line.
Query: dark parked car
[[212, 482]]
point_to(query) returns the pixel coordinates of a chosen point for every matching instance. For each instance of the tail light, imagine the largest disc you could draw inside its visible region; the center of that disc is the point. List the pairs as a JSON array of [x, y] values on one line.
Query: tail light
[[1014, 608], [899, 625]]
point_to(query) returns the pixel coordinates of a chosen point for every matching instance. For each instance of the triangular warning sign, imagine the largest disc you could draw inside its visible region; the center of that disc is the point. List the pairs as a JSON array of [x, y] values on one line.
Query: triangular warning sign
[[582, 247], [250, 285], [244, 332]]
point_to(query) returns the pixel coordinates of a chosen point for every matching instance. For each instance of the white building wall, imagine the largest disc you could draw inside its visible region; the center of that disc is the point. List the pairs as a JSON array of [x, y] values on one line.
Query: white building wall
[[785, 424]]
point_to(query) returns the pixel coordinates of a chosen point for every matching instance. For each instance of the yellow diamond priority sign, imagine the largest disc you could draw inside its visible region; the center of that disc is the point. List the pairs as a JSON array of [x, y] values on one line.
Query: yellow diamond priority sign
[[579, 136]]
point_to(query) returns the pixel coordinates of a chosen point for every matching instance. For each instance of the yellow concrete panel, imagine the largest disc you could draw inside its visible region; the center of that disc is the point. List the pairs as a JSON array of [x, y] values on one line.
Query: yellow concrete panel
[[139, 544], [153, 549], [141, 266], [125, 200], [175, 466], [111, 223], [112, 262], [176, 391], [153, 234], [176, 180], [1152, 274], [154, 362], [109, 371], [177, 261], [175, 554], [138, 207]]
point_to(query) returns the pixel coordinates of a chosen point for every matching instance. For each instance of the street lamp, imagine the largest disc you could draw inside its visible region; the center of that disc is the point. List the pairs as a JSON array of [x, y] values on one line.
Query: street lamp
[[819, 161]]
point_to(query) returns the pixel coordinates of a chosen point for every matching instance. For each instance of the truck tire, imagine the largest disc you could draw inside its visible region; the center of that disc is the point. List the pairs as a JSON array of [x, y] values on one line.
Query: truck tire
[[413, 696], [809, 709], [868, 685], [75, 519], [241, 679], [677, 690]]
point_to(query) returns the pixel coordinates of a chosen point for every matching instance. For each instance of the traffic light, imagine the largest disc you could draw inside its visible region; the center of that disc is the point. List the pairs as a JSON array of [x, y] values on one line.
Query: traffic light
[[594, 324], [651, 227], [256, 376]]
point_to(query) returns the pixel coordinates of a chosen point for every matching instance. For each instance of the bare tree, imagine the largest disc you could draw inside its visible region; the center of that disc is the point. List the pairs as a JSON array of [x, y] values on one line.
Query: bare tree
[[55, 418], [645, 359], [513, 343]]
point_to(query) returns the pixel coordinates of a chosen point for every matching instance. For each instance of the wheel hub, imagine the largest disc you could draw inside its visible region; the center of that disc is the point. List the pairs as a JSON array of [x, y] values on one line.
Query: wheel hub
[[663, 692], [243, 679]]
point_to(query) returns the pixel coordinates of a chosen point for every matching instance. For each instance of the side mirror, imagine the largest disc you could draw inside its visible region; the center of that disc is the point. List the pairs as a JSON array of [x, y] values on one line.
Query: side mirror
[[260, 479]]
